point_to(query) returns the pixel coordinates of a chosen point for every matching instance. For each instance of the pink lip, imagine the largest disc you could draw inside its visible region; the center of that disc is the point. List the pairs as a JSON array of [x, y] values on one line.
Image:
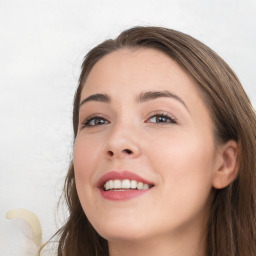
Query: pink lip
[[125, 194]]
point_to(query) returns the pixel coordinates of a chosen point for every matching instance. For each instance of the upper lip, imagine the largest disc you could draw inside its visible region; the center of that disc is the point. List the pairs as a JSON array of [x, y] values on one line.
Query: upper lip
[[121, 175]]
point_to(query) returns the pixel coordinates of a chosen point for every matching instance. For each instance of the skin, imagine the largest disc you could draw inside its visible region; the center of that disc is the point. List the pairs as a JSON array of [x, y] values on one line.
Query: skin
[[178, 154]]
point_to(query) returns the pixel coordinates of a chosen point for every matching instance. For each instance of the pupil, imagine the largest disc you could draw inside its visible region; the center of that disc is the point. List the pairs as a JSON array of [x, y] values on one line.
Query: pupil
[[99, 121], [161, 119]]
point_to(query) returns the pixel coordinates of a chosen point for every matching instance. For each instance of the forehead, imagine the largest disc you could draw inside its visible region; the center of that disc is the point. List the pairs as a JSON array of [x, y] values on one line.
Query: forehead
[[137, 69]]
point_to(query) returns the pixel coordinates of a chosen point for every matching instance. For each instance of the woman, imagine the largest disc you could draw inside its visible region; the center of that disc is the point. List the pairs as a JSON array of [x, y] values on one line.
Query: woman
[[164, 152]]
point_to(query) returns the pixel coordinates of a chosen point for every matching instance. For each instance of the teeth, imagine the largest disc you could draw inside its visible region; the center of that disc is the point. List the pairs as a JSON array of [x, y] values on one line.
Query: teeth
[[125, 184], [134, 184], [145, 186], [140, 185], [117, 184]]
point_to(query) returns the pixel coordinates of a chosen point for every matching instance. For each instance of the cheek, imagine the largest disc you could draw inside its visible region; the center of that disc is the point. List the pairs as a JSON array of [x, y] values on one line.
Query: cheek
[[184, 150], [84, 160], [185, 163], [85, 154]]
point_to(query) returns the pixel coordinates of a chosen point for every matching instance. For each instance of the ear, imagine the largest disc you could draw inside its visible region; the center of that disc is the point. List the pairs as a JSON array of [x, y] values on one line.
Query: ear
[[228, 166]]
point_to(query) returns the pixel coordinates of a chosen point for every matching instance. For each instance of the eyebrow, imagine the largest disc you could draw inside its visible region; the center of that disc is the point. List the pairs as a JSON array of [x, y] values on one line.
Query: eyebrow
[[152, 95], [143, 97], [96, 97]]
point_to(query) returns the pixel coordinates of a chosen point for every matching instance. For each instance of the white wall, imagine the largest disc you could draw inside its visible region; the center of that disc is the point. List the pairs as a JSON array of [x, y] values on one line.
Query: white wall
[[42, 46]]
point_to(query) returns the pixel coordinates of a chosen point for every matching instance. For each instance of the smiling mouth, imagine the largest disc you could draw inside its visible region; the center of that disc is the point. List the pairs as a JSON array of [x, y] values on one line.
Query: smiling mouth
[[124, 185]]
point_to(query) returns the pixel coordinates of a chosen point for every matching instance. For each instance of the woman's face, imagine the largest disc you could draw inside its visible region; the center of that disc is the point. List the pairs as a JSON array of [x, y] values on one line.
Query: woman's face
[[145, 135]]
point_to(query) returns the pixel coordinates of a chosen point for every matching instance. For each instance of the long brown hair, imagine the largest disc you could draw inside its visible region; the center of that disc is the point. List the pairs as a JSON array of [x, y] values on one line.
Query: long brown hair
[[232, 221]]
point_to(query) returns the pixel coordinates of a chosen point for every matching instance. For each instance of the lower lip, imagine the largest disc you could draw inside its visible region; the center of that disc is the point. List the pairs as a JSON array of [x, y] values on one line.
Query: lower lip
[[122, 194]]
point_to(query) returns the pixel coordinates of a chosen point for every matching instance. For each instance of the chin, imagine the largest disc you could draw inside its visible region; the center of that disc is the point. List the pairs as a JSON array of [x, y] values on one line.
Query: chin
[[123, 231]]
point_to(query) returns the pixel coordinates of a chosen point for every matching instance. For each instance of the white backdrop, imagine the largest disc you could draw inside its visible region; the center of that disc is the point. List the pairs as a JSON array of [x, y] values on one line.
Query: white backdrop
[[42, 45]]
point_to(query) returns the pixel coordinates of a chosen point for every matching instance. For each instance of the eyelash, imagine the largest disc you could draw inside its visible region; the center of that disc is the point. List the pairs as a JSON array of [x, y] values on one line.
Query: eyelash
[[167, 117], [86, 123]]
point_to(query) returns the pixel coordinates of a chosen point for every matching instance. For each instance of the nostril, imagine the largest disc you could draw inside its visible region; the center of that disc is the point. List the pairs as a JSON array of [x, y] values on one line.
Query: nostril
[[128, 151], [125, 151], [110, 153]]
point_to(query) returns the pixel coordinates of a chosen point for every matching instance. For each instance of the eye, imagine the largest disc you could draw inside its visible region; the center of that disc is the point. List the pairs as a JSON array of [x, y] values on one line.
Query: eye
[[161, 118], [94, 121]]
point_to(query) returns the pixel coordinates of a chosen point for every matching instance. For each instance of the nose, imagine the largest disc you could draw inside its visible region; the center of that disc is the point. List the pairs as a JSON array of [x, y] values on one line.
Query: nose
[[122, 143]]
